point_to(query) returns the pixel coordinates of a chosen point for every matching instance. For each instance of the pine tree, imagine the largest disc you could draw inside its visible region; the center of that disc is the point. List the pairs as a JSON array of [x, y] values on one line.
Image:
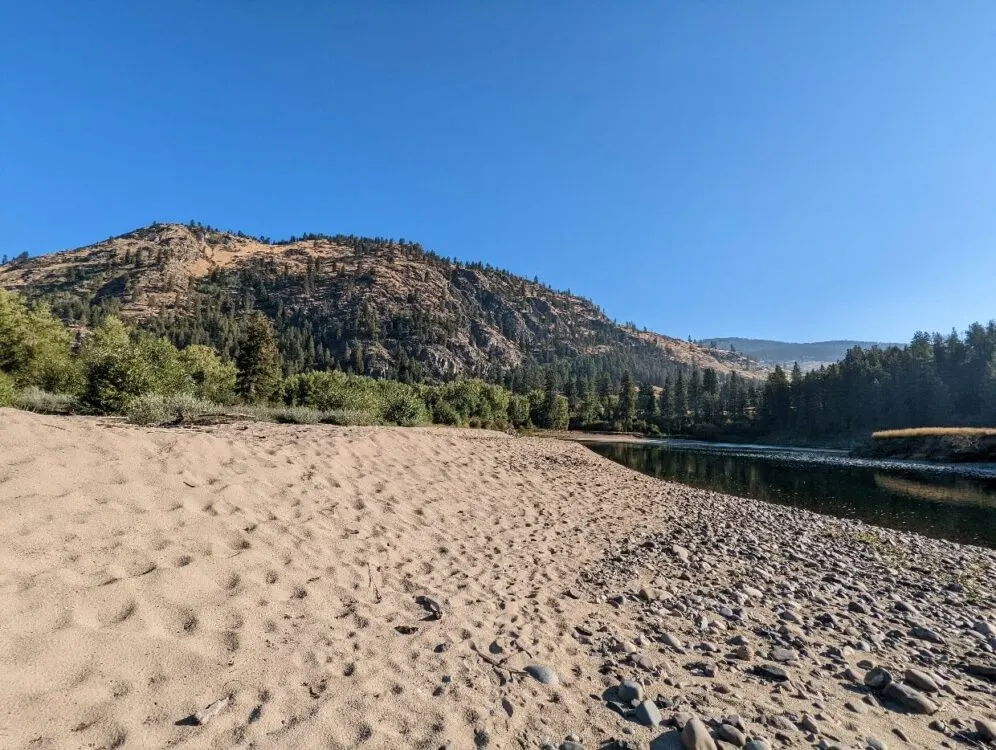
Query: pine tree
[[258, 361], [627, 402]]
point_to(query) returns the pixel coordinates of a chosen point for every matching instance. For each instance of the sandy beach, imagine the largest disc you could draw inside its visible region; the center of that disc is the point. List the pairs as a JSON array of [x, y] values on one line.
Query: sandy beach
[[277, 586]]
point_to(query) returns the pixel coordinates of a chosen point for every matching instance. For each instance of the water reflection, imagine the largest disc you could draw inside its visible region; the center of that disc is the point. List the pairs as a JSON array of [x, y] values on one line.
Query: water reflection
[[935, 504]]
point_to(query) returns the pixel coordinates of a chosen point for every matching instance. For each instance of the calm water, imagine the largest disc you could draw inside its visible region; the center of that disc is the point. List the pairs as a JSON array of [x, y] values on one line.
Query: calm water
[[949, 502]]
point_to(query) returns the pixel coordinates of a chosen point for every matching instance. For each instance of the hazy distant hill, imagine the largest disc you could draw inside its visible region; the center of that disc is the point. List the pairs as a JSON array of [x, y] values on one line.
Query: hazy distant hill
[[809, 356], [377, 306]]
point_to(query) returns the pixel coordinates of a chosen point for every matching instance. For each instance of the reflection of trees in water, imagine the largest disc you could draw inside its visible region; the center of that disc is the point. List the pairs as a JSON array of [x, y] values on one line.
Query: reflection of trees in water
[[958, 492], [962, 510]]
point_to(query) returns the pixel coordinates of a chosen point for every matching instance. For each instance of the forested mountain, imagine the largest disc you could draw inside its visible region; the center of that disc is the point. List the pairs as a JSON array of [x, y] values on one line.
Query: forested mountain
[[810, 356], [371, 306]]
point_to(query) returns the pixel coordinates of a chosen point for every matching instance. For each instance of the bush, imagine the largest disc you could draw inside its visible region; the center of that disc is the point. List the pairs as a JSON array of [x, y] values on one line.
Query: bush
[[405, 409], [118, 369], [444, 412], [35, 399], [6, 389], [211, 378], [35, 348], [155, 408], [518, 410]]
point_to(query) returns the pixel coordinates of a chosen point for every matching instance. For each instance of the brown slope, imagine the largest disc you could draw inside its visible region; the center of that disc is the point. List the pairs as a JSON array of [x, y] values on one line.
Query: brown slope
[[476, 318]]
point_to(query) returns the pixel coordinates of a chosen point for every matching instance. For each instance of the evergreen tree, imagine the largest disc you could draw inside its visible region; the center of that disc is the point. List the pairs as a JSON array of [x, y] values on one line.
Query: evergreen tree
[[627, 402], [258, 361]]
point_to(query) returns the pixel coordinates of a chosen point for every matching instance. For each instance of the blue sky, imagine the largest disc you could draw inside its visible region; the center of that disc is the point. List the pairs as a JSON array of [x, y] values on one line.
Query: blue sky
[[786, 170]]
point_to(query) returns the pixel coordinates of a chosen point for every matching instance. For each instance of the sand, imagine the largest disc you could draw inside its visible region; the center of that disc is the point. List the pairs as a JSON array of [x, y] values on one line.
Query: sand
[[147, 574]]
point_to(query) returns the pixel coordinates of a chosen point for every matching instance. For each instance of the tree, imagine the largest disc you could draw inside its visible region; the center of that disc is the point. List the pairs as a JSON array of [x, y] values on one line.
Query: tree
[[258, 362], [626, 409], [680, 401], [213, 380], [35, 348]]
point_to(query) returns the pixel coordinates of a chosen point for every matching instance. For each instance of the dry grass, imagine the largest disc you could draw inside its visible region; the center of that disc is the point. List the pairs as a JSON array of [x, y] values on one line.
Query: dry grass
[[913, 432]]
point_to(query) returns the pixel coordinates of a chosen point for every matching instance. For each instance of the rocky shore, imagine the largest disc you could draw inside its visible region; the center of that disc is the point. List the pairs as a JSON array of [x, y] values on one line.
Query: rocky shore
[[277, 586]]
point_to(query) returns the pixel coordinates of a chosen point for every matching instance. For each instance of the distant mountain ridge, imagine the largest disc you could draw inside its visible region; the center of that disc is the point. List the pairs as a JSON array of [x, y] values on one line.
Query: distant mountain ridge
[[810, 356], [377, 306]]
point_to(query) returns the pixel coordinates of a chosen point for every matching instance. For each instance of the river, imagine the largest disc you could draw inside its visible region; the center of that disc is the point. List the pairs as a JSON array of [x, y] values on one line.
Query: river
[[956, 502]]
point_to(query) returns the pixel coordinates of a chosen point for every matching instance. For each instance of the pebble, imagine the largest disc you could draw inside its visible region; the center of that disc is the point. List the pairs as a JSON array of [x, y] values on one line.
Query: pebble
[[630, 690], [910, 698], [648, 714], [772, 672], [543, 674], [926, 634], [695, 736], [922, 680], [877, 678], [731, 734]]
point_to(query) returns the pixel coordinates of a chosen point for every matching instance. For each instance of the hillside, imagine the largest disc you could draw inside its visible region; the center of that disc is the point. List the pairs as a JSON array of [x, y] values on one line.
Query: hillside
[[810, 356], [381, 307]]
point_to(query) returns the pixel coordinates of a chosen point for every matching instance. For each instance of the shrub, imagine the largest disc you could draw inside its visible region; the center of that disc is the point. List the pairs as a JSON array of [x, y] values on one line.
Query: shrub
[[35, 399], [518, 410], [35, 348], [119, 369], [6, 390], [444, 412], [347, 418], [156, 408], [211, 378], [405, 409]]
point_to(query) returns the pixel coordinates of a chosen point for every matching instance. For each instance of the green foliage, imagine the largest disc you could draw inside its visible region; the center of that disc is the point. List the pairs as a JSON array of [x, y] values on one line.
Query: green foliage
[[471, 403], [118, 368], [35, 399], [406, 409], [7, 389], [157, 408], [518, 410], [212, 379], [258, 361], [35, 348]]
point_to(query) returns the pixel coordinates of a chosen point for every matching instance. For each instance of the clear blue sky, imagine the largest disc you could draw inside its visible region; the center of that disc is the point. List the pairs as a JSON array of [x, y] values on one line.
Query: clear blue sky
[[788, 170]]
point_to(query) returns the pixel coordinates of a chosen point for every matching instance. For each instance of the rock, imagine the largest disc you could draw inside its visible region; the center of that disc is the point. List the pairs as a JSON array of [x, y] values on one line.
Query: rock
[[744, 652], [910, 698], [926, 634], [809, 724], [648, 714], [922, 680], [543, 674], [430, 605], [987, 629], [681, 718], [981, 670], [877, 678], [695, 736], [570, 745], [670, 639], [784, 655], [875, 744], [987, 729], [771, 672], [731, 734], [856, 706], [757, 744], [630, 690], [680, 552]]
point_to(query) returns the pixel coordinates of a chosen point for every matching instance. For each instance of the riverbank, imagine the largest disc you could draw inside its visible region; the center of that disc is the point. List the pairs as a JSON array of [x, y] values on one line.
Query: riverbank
[[944, 447], [305, 586]]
